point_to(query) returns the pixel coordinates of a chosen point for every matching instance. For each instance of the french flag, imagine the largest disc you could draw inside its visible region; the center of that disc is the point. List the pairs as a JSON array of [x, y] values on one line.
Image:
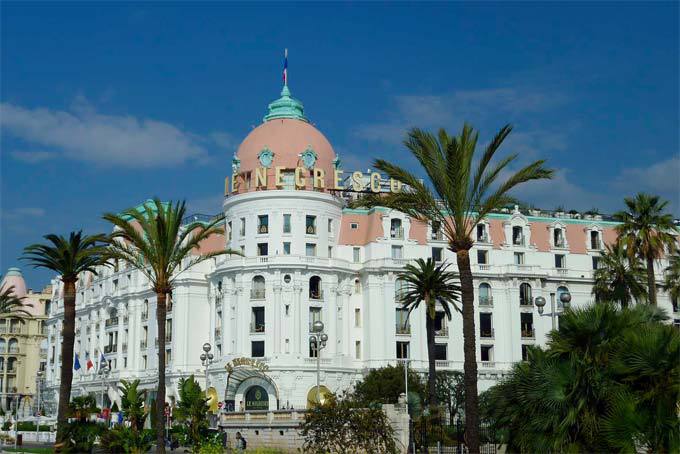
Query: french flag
[[90, 364], [285, 68]]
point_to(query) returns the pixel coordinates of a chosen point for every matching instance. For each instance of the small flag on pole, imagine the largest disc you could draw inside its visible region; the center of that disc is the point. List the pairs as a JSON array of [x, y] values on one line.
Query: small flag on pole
[[76, 363], [102, 361], [285, 68], [89, 363]]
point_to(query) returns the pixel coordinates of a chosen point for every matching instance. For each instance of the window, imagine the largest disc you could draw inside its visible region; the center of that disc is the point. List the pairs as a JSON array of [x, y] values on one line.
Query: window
[[228, 232], [263, 224], [525, 298], [517, 236], [558, 237], [168, 356], [482, 257], [487, 353], [481, 233], [485, 298], [243, 227], [440, 352], [594, 239], [262, 249], [357, 349], [559, 260], [437, 254], [312, 350], [315, 291], [527, 324], [257, 349], [289, 179], [330, 251], [558, 295], [402, 350], [396, 230], [314, 316], [397, 252], [356, 254], [310, 250], [286, 223], [525, 352], [440, 328], [310, 225], [485, 325], [596, 262], [145, 363], [330, 226], [258, 290], [286, 248], [519, 258], [353, 225], [399, 289], [437, 231], [243, 250], [357, 317], [402, 326], [257, 320]]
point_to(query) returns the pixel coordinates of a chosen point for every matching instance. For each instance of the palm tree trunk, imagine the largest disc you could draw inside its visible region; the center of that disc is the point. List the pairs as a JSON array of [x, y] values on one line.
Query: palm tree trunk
[[160, 393], [432, 370], [469, 351], [651, 280], [68, 336]]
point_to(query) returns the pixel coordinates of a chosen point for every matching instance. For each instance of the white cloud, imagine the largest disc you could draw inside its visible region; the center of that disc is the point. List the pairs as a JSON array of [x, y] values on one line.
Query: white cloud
[[85, 135], [224, 140], [33, 157], [660, 177]]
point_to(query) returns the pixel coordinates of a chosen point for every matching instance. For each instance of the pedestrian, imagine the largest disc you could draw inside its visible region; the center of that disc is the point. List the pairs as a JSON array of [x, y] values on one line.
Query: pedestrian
[[241, 443]]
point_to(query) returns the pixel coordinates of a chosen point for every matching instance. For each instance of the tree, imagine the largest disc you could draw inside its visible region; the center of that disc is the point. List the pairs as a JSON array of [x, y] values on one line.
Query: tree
[[431, 284], [455, 199], [646, 230], [341, 425], [672, 281], [132, 401], [82, 406], [607, 382], [451, 392], [192, 408], [69, 257], [619, 278], [153, 240], [11, 304], [385, 385]]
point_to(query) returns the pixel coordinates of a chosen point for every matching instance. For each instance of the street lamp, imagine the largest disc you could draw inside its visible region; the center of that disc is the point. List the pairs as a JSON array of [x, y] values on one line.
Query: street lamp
[[206, 360], [317, 341], [103, 372], [565, 299]]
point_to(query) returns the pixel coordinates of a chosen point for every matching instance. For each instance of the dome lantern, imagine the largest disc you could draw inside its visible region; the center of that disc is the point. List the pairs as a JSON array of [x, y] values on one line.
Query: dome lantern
[[285, 107]]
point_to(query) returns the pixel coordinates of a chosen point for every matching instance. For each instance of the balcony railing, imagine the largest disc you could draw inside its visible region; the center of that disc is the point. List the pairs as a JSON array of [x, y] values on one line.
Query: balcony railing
[[113, 321], [526, 301], [110, 348], [316, 294], [257, 294], [518, 241], [486, 301], [15, 329], [14, 350], [397, 233], [560, 243], [437, 236], [487, 333], [529, 333], [257, 327], [403, 329], [484, 238], [442, 332]]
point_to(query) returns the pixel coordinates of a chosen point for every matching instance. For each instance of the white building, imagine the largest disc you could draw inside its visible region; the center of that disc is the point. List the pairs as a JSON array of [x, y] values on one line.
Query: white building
[[307, 258]]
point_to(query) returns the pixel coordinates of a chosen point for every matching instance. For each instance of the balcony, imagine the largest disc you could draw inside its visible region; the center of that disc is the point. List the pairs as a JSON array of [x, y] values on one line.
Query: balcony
[[484, 238], [257, 327], [529, 333], [442, 363], [316, 294], [257, 294], [437, 236], [487, 333], [560, 243], [443, 332], [486, 301], [403, 329], [15, 329], [111, 322], [142, 345], [487, 364], [110, 348], [397, 233]]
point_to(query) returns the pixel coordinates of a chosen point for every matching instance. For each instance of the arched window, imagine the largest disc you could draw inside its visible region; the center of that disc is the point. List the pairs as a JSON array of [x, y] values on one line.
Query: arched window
[[145, 310], [525, 298], [485, 298], [3, 346], [2, 364], [396, 230], [11, 364], [315, 291], [258, 290], [13, 346]]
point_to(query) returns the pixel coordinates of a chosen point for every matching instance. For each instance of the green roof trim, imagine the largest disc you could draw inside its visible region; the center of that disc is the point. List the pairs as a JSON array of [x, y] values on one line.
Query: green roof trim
[[365, 210], [286, 107]]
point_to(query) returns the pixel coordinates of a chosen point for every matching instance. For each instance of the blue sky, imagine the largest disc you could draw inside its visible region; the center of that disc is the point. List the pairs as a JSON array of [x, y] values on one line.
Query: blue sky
[[105, 105]]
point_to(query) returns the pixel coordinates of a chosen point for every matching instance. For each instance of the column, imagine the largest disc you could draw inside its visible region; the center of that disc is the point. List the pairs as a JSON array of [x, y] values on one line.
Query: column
[[299, 323], [332, 329], [273, 317]]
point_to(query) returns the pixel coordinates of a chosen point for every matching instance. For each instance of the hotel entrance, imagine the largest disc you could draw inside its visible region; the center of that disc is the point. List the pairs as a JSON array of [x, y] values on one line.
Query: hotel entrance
[[257, 398]]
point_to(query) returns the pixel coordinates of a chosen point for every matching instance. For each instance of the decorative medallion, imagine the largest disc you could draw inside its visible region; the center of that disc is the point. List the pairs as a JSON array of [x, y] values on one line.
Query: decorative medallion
[[235, 165], [308, 157], [266, 157]]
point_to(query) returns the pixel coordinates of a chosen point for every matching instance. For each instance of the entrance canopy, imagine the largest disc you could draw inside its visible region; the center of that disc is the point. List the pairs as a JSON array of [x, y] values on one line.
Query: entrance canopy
[[240, 370]]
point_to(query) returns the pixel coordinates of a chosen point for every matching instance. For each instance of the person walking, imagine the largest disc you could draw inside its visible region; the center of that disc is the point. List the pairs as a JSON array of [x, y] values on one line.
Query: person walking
[[241, 443]]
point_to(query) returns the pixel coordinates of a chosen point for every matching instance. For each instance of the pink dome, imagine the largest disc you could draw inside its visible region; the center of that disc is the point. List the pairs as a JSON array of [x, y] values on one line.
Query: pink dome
[[287, 138], [16, 279]]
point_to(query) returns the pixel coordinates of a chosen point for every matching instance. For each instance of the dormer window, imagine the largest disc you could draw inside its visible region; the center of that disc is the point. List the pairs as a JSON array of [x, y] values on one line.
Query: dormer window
[[558, 237], [595, 240], [310, 225], [482, 235], [517, 236], [396, 230], [263, 224]]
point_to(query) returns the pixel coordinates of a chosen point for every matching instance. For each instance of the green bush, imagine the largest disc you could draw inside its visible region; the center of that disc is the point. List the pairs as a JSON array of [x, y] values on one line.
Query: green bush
[[80, 436], [30, 427], [122, 439]]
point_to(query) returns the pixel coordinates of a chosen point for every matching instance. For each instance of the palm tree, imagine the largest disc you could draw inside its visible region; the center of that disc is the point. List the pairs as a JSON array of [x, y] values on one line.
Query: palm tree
[[672, 281], [192, 408], [457, 197], [69, 257], [153, 240], [430, 284], [647, 231], [10, 303], [132, 403], [619, 278]]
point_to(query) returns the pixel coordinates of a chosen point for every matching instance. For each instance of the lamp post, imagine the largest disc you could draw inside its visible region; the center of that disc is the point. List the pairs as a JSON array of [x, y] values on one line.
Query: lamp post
[[206, 360], [565, 299], [103, 372], [38, 379], [317, 341]]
